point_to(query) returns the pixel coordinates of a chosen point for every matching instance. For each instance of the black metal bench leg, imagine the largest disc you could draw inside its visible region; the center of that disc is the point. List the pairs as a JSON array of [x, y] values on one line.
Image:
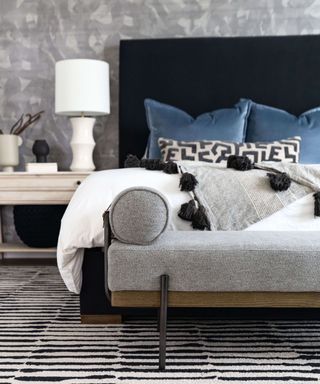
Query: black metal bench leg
[[164, 283]]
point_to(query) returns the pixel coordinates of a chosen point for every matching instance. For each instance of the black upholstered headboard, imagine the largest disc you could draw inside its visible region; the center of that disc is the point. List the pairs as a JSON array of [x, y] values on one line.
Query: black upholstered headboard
[[202, 74]]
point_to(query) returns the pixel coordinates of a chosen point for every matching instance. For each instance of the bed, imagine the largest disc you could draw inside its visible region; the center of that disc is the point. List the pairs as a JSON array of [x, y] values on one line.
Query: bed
[[197, 75]]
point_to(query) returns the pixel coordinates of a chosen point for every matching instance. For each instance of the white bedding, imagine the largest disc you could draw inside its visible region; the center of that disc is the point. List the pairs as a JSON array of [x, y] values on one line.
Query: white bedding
[[82, 225]]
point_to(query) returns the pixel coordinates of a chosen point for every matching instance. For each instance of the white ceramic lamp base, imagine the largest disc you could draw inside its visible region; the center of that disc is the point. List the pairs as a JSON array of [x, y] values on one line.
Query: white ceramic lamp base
[[82, 144]]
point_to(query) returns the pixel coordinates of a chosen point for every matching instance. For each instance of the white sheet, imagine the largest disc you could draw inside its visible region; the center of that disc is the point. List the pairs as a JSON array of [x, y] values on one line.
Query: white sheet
[[298, 216], [82, 225]]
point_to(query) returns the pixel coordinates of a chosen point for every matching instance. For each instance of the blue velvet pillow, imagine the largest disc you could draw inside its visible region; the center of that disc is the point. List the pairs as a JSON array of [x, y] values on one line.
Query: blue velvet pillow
[[173, 123], [269, 124]]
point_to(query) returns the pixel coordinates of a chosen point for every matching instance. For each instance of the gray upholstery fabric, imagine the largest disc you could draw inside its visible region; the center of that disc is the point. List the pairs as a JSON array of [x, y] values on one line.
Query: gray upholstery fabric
[[139, 215], [219, 261]]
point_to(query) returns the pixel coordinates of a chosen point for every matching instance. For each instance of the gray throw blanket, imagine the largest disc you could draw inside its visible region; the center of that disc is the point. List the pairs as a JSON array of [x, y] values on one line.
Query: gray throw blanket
[[234, 200]]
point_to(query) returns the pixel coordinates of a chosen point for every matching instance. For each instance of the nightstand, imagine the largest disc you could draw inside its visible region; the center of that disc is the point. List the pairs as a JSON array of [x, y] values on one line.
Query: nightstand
[[23, 188]]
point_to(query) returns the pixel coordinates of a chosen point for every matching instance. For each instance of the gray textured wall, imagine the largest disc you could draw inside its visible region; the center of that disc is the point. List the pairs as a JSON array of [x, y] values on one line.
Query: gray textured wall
[[36, 33]]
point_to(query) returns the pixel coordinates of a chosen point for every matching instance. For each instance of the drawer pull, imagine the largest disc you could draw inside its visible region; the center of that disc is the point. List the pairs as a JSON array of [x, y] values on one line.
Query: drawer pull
[[78, 182]]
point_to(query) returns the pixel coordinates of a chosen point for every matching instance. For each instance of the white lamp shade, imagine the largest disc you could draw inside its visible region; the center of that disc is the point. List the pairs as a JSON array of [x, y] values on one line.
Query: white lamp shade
[[82, 87]]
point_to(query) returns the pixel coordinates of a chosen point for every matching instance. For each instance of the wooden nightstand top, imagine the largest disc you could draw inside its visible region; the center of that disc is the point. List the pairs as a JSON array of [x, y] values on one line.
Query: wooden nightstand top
[[18, 188], [49, 174]]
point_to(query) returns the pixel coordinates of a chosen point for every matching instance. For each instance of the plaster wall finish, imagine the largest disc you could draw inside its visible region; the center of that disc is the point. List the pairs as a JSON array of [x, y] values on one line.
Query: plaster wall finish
[[34, 34]]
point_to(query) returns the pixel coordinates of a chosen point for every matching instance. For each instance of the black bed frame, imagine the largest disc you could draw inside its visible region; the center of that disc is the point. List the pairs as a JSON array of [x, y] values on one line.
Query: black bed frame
[[200, 75]]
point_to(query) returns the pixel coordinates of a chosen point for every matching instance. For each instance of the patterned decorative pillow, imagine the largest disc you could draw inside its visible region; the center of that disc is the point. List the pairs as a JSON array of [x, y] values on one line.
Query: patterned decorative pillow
[[219, 151]]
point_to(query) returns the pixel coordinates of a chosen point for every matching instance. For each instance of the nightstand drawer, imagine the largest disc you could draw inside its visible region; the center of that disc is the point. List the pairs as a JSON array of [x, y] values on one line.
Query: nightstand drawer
[[16, 182], [39, 197], [27, 188]]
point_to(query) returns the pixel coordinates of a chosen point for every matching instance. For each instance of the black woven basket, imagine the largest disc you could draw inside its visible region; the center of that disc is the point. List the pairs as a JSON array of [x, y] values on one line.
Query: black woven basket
[[38, 225]]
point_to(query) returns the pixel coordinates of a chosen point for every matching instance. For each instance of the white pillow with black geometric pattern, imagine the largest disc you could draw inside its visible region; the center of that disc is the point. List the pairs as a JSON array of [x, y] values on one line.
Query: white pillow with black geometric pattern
[[218, 151]]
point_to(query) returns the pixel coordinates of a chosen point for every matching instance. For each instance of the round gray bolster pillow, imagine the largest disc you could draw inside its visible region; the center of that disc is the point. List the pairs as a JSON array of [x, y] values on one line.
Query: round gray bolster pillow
[[139, 215]]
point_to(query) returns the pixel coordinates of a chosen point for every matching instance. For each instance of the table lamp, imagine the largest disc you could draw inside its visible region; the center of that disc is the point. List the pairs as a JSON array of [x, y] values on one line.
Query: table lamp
[[82, 92]]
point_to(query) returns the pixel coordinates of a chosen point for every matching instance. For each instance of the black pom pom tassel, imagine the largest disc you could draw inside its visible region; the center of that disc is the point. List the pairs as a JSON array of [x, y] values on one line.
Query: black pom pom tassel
[[279, 181], [153, 164], [170, 167], [200, 219], [240, 163], [187, 182], [187, 210], [317, 204], [143, 163], [132, 161]]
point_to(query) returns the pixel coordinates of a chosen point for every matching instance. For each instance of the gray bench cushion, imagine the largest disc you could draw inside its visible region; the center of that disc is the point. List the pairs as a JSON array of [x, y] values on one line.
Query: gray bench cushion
[[219, 261]]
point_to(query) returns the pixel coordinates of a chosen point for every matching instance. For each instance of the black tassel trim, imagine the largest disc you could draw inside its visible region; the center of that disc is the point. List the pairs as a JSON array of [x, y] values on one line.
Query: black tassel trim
[[279, 181], [200, 219], [132, 161], [187, 182], [317, 204], [240, 163], [153, 164], [197, 216], [187, 210], [143, 163], [170, 167]]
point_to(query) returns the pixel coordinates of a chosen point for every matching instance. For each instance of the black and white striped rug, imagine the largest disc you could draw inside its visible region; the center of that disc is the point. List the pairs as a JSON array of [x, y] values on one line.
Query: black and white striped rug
[[42, 341]]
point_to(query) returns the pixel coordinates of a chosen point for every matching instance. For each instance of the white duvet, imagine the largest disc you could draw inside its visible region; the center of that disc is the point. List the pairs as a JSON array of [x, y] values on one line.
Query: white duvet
[[82, 224]]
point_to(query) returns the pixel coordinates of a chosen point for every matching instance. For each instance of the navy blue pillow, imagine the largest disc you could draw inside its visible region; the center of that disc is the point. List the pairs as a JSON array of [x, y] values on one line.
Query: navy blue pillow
[[173, 123], [268, 124]]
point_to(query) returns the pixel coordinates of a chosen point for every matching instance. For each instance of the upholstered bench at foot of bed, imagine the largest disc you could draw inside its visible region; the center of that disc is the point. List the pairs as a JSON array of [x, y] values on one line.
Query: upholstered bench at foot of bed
[[204, 269], [215, 269], [219, 262]]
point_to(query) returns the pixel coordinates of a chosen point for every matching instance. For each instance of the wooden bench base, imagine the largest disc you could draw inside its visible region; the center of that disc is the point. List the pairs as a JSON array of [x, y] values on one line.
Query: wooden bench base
[[144, 299]]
